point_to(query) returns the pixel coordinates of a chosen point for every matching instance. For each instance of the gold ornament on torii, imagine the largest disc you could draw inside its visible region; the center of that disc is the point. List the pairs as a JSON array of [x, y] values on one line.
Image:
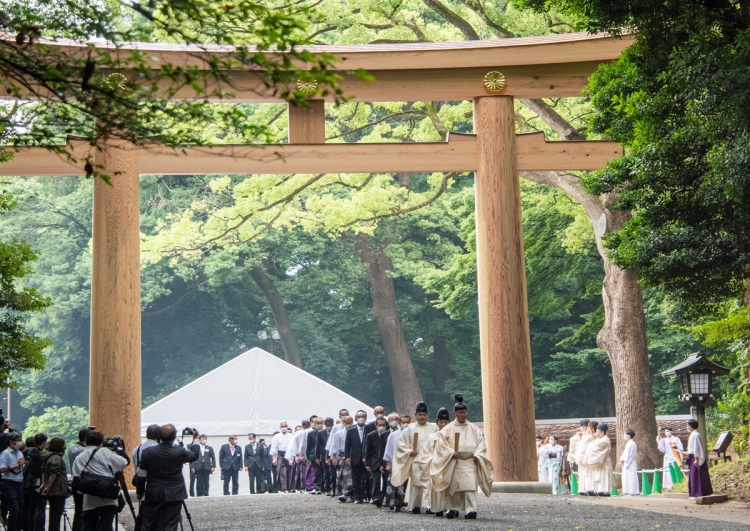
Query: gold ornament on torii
[[308, 87], [494, 81]]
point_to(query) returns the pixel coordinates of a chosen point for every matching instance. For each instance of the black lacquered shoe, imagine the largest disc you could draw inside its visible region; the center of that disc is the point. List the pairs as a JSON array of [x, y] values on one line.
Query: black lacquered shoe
[[416, 510], [439, 514], [451, 514], [428, 511], [471, 516]]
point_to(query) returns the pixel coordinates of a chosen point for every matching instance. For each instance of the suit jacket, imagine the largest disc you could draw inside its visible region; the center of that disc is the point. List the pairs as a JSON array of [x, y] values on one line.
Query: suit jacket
[[268, 460], [370, 427], [256, 459], [164, 463], [320, 447], [207, 461], [372, 450], [354, 449], [227, 461], [312, 440]]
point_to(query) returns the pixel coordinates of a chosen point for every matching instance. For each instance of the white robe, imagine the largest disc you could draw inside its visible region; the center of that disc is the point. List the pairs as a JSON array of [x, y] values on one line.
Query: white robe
[[599, 474], [572, 448], [695, 447], [473, 467], [541, 463], [437, 498], [406, 466], [666, 446], [630, 469], [583, 445]]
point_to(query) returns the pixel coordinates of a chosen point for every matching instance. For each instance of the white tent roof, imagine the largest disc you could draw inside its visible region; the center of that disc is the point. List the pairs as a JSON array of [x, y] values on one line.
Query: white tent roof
[[254, 392]]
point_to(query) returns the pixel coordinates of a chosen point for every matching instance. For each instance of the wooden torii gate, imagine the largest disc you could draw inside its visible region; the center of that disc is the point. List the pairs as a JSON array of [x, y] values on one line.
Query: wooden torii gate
[[491, 73]]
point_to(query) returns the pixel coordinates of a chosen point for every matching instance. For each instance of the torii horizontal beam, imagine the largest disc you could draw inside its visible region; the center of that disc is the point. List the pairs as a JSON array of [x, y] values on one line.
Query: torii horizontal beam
[[458, 154], [551, 66]]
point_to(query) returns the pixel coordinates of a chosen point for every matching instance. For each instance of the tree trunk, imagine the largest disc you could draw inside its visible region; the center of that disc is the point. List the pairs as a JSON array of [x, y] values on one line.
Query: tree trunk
[[281, 318], [406, 392], [623, 336], [442, 362]]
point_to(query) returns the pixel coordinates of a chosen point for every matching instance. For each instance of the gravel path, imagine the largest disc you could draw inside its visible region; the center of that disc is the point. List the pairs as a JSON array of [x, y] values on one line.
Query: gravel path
[[503, 512]]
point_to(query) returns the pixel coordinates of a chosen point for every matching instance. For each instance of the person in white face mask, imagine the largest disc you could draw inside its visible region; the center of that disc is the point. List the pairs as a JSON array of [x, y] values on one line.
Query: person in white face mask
[[343, 413], [323, 460], [343, 469], [555, 454], [279, 446], [672, 448], [629, 466]]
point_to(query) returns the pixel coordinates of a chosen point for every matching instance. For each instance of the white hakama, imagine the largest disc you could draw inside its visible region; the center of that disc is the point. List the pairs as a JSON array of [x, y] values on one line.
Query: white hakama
[[406, 466], [630, 470]]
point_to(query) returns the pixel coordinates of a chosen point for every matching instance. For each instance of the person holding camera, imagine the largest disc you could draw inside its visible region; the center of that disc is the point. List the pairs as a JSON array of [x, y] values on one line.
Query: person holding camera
[[165, 485], [12, 464], [74, 451], [98, 512], [54, 487]]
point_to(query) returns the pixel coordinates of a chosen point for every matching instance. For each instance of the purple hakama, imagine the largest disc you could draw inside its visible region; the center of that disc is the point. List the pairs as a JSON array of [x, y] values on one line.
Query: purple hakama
[[699, 482], [309, 476]]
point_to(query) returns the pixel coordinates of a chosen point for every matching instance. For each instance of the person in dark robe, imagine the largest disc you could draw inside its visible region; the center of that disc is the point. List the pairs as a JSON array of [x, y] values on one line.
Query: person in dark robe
[[699, 482]]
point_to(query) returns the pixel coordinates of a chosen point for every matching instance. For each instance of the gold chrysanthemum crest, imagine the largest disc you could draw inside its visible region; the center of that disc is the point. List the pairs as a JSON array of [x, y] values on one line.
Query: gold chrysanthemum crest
[[308, 87], [494, 81], [117, 81]]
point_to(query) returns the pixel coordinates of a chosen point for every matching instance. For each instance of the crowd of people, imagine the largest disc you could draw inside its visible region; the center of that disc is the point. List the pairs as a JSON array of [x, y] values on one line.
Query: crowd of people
[[393, 461], [588, 457]]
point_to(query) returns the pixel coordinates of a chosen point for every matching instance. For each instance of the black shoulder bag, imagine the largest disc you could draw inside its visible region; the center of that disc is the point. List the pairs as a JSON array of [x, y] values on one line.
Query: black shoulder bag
[[95, 484]]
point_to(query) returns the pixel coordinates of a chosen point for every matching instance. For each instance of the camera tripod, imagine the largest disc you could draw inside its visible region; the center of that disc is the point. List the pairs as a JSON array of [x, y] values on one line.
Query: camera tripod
[[66, 520]]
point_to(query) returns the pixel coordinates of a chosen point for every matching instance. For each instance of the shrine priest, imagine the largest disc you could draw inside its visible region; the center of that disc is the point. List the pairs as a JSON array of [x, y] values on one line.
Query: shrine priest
[[437, 499], [583, 443], [408, 459], [573, 444], [672, 449], [460, 464], [699, 483], [599, 464], [629, 466]]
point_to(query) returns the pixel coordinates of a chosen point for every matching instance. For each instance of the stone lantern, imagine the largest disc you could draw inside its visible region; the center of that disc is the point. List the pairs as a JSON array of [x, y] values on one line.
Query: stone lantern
[[696, 374]]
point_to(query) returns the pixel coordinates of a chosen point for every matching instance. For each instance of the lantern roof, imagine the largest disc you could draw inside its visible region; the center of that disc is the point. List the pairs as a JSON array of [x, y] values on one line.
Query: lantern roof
[[696, 361]]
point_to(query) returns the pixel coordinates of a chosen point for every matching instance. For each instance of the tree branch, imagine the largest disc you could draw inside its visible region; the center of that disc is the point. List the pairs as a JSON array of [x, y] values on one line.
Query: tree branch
[[555, 121], [453, 18]]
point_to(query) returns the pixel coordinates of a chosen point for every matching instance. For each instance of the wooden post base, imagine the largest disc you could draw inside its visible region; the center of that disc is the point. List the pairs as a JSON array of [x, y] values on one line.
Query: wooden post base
[[507, 390], [115, 378]]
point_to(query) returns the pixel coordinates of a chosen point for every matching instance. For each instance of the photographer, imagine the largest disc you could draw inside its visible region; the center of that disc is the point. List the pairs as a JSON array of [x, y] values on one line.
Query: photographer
[[165, 485], [74, 451], [98, 513], [11, 466]]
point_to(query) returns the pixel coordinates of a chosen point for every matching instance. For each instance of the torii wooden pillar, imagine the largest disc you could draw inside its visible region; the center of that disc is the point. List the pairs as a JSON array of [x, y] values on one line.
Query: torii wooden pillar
[[505, 349]]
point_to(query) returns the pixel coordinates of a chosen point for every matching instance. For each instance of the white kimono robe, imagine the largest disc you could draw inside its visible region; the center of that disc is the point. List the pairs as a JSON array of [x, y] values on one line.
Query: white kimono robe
[[437, 498], [572, 448], [667, 446], [583, 445], [599, 473], [541, 463], [630, 470], [410, 467], [459, 478]]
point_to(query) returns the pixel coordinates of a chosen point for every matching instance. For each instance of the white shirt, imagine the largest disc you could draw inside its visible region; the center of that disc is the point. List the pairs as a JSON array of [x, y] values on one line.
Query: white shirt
[[139, 450], [628, 455], [555, 448], [339, 442], [100, 464], [280, 443], [9, 458], [298, 446], [329, 444]]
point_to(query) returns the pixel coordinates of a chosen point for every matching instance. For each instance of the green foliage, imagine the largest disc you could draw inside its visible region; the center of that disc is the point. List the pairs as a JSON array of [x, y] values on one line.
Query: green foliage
[[64, 422], [20, 348]]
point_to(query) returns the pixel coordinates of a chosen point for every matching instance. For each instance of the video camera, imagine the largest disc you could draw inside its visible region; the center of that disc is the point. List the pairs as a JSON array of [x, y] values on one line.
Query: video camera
[[116, 443]]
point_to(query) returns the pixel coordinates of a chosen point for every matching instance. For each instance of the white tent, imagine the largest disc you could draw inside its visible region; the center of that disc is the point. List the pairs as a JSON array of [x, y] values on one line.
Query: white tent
[[254, 392]]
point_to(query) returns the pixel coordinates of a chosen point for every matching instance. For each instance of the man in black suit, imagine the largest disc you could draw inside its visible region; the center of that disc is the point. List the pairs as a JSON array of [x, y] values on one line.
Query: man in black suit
[[165, 485], [321, 458], [255, 462], [374, 450], [369, 428], [311, 453], [204, 466], [354, 452], [230, 461], [270, 469]]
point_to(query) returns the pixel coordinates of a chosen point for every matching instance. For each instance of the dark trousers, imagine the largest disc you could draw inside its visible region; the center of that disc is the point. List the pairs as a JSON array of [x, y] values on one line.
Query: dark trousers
[[164, 516], [282, 470], [271, 478], [56, 508], [255, 474], [317, 475], [77, 510], [377, 491], [193, 478], [202, 478], [331, 478], [99, 519], [232, 475], [13, 502], [29, 509], [358, 479], [40, 512]]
